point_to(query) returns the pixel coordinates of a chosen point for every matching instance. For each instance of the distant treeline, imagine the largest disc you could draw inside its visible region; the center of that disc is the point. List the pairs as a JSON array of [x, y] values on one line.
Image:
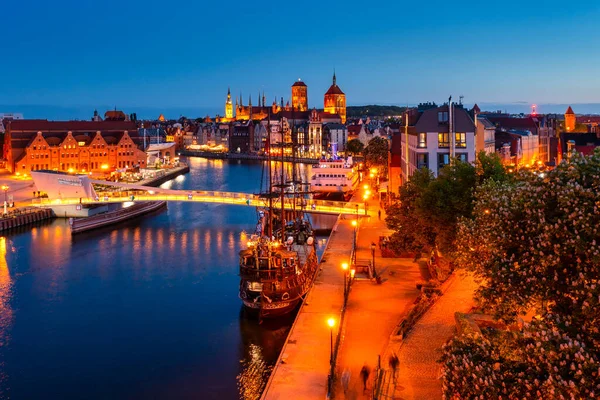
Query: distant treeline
[[374, 111]]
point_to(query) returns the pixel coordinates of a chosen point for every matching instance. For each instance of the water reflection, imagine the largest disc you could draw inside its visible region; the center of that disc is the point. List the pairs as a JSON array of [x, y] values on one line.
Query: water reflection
[[149, 309], [260, 346]]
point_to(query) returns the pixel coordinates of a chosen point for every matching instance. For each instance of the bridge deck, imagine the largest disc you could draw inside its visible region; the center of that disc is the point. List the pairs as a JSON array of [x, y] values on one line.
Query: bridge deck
[[122, 192], [241, 199]]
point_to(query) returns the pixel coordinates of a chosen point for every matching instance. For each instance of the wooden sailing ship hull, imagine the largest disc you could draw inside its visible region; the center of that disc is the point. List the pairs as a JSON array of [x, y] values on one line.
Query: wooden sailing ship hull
[[271, 310]]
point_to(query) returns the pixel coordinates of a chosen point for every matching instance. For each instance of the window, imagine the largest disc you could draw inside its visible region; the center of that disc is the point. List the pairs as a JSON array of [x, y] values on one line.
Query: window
[[461, 139], [422, 140], [443, 159], [462, 157], [443, 140], [422, 160], [443, 117]]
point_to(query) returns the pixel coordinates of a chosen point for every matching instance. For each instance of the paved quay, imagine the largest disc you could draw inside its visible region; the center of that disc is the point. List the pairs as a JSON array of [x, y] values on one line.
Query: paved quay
[[373, 310], [303, 366], [372, 313], [419, 370]]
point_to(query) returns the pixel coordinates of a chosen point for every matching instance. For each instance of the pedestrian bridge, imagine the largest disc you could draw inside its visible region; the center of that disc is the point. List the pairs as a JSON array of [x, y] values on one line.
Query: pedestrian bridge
[[80, 192]]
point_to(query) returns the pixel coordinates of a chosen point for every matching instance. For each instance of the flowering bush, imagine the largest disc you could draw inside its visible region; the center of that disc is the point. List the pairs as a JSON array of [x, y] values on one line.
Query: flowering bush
[[534, 242]]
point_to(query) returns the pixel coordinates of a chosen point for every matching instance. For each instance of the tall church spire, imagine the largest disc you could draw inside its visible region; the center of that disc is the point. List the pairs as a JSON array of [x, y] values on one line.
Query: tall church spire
[[334, 79]]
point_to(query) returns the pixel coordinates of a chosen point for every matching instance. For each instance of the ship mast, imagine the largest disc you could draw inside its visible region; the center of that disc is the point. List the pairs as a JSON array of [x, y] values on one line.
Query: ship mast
[[270, 176]]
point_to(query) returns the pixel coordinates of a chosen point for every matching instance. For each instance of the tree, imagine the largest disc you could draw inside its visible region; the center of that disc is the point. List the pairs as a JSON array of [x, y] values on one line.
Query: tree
[[355, 146], [376, 154], [427, 212], [534, 242], [412, 233]]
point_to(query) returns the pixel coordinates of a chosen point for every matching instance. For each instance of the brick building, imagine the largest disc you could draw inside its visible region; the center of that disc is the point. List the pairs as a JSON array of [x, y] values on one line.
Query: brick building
[[76, 146]]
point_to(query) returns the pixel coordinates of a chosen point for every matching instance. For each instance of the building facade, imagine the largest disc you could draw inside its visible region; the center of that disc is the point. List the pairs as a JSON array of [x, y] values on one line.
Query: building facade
[[335, 101], [437, 135], [300, 96], [72, 146]]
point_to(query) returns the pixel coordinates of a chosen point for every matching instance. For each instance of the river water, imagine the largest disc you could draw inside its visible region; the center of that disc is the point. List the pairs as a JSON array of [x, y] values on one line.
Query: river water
[[148, 309]]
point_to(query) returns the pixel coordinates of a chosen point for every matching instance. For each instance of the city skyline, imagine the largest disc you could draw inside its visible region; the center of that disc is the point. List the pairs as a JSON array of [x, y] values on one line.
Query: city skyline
[[507, 56]]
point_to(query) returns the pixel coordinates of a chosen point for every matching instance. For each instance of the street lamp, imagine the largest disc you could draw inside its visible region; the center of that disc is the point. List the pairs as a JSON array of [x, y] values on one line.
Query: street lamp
[[331, 323], [365, 198], [354, 224], [345, 268], [5, 188], [373, 258]]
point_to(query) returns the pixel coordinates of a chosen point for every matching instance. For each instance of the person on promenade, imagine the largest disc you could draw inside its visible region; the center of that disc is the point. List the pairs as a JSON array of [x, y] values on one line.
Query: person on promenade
[[364, 374], [394, 364], [345, 380], [379, 214]]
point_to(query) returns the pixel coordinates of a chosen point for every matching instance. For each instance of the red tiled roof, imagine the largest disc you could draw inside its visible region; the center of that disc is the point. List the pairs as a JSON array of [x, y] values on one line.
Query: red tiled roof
[[354, 129], [299, 83], [428, 121], [334, 89], [514, 123], [589, 119], [569, 111], [43, 125]]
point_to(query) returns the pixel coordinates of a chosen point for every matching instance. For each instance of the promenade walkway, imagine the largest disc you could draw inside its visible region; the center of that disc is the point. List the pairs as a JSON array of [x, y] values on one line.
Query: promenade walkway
[[302, 370], [418, 378], [373, 310]]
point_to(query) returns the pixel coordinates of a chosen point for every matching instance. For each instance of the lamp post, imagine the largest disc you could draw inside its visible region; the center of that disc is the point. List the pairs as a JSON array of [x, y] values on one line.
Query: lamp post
[[345, 268], [331, 323], [365, 198], [5, 188], [373, 258], [354, 224]]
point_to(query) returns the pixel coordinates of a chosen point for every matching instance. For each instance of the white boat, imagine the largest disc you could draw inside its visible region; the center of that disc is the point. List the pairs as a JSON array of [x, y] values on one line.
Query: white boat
[[334, 176]]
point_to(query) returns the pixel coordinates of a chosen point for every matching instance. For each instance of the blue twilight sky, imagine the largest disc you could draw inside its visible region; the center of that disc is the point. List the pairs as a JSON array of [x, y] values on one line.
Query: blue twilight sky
[[181, 56]]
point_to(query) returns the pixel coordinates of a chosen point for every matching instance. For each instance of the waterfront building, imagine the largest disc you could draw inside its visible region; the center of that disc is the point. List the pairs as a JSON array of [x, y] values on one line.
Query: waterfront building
[[228, 106], [485, 133], [315, 134], [96, 146], [242, 137], [432, 137], [335, 137], [300, 96], [335, 101], [570, 120]]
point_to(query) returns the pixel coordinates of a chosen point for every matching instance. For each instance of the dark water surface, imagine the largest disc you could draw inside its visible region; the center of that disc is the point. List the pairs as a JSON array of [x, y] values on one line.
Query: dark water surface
[[146, 310]]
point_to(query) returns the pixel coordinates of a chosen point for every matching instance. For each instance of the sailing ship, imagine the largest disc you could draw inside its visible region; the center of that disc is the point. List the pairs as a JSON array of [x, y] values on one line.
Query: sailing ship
[[280, 262]]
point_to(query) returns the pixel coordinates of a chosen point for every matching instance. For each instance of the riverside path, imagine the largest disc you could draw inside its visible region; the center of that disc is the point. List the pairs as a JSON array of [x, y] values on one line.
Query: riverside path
[[372, 313]]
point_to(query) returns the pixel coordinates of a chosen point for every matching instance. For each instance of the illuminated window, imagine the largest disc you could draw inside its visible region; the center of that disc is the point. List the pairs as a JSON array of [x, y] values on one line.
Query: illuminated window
[[422, 143], [461, 139], [443, 140]]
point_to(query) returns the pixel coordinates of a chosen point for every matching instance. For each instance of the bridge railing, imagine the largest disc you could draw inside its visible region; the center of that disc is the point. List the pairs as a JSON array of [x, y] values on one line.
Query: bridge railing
[[119, 196]]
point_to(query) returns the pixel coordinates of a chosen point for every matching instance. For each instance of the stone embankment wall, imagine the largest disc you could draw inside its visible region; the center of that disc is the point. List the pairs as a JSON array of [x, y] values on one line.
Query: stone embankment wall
[[24, 217]]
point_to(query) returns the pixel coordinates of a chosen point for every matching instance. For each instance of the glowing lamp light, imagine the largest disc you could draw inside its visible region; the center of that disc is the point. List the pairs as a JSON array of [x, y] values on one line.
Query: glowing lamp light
[[345, 266], [368, 192], [365, 196], [70, 170], [353, 222], [331, 322], [366, 187], [352, 273], [104, 166]]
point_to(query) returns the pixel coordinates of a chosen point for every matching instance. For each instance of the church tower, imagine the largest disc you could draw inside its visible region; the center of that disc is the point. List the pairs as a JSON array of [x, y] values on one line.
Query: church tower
[[570, 120], [229, 105], [300, 96], [335, 100]]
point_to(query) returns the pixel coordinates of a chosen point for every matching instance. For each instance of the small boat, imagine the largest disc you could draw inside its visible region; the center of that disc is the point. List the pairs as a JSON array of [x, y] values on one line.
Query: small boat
[[113, 217]]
